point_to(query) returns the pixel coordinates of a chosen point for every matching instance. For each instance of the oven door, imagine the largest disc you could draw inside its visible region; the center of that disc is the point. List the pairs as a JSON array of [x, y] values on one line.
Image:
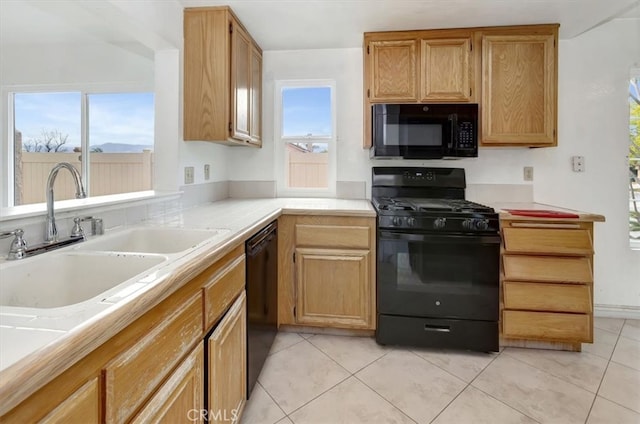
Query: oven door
[[436, 275]]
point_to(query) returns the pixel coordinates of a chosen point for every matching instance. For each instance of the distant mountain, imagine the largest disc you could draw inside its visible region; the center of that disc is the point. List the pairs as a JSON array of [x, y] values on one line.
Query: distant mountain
[[122, 147]]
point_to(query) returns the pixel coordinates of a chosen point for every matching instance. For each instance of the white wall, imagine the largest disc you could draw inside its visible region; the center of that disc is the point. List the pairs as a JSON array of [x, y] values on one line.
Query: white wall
[[493, 166], [594, 123]]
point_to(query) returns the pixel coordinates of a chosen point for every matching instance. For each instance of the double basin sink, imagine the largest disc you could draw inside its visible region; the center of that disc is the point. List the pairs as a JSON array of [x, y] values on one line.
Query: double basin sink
[[96, 269]]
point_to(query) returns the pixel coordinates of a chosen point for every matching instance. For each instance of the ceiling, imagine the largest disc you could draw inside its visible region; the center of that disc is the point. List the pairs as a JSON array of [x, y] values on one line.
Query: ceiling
[[309, 24]]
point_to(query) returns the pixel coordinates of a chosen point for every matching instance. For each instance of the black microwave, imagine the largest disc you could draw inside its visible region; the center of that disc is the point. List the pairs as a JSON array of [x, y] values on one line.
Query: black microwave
[[424, 131]]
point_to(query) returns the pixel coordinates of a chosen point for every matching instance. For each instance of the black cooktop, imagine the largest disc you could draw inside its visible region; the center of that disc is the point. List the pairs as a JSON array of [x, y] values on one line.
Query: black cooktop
[[429, 205]]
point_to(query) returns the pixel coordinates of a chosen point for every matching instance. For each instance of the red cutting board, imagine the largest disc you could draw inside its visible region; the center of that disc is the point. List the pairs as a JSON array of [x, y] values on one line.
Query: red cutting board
[[542, 213]]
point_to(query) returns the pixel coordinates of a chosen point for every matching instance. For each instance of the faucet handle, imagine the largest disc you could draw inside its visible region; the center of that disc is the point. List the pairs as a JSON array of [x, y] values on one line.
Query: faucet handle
[[97, 227], [77, 230], [18, 249]]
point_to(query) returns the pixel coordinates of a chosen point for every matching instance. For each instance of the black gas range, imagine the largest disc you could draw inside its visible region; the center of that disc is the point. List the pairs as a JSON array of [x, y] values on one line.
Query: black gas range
[[437, 262]]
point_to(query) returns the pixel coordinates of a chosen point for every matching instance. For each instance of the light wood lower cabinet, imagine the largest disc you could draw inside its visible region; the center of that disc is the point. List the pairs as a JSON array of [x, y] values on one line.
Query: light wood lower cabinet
[[227, 361], [181, 397], [326, 267], [547, 283], [134, 374], [153, 370], [333, 287], [83, 406]]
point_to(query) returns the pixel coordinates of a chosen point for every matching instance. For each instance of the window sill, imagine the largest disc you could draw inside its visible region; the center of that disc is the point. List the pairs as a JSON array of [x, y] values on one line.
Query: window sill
[[38, 209]]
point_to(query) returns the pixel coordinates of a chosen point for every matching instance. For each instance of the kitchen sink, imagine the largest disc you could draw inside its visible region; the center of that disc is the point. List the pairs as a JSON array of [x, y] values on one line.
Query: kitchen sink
[[63, 279], [151, 240]]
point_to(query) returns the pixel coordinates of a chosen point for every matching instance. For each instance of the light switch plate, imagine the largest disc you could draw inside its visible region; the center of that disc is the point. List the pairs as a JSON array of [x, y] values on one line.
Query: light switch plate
[[207, 172], [188, 174]]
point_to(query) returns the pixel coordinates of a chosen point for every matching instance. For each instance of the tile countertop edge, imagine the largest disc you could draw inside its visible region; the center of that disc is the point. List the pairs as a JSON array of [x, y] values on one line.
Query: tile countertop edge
[[504, 214], [37, 368]]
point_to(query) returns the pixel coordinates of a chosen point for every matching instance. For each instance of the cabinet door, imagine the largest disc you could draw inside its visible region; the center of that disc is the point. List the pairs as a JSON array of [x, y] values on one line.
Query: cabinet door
[[333, 287], [181, 397], [256, 97], [446, 71], [227, 360], [392, 70], [83, 406], [240, 83], [519, 80]]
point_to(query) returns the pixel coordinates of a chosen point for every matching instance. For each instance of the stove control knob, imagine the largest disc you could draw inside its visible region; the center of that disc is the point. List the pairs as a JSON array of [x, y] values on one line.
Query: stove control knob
[[396, 221], [481, 224], [467, 224], [439, 223], [411, 221]]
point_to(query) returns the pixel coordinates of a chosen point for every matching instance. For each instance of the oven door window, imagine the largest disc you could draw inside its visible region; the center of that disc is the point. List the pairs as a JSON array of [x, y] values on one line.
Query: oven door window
[[455, 276]]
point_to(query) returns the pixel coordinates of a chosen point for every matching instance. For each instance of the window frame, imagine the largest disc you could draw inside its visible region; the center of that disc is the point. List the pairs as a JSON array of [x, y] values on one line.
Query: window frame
[[634, 244], [280, 141], [7, 171]]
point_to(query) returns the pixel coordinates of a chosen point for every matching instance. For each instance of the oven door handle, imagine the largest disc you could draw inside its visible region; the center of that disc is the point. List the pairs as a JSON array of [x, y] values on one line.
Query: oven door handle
[[441, 238]]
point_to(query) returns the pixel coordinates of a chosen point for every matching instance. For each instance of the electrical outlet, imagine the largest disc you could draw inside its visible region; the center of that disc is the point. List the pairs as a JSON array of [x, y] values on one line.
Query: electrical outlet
[[188, 174], [527, 173], [577, 163], [207, 172]]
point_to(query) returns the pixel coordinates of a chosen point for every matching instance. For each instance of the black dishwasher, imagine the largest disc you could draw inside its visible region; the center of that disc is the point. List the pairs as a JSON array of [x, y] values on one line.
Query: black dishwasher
[[262, 299]]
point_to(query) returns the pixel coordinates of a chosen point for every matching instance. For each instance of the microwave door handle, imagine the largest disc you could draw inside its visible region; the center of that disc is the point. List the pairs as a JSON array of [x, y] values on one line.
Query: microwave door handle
[[453, 118]]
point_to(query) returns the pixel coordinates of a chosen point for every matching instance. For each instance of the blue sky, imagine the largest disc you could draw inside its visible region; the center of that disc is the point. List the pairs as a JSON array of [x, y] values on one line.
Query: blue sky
[[117, 118], [306, 110]]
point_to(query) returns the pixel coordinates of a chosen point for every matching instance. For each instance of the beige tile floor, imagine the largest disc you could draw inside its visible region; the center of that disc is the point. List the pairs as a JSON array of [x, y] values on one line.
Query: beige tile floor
[[324, 379]]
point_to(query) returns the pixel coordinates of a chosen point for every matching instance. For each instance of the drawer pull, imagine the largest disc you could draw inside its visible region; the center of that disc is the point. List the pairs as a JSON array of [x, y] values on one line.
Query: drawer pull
[[437, 329]]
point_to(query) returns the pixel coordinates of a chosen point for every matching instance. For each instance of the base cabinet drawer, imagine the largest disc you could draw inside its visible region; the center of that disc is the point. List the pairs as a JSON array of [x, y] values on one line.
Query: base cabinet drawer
[[575, 298], [548, 241], [547, 268], [547, 326]]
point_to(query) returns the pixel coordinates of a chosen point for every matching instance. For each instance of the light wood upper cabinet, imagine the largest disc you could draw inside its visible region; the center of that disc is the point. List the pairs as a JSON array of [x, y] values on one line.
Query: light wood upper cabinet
[[519, 89], [227, 363], [240, 82], [445, 70], [255, 109], [511, 72], [393, 70], [222, 79]]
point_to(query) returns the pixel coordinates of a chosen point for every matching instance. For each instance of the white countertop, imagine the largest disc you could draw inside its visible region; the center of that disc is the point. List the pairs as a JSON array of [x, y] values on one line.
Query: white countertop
[[28, 334]]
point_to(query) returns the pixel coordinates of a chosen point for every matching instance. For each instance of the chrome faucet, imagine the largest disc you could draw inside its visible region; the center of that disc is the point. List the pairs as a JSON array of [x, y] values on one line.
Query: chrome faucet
[[51, 233]]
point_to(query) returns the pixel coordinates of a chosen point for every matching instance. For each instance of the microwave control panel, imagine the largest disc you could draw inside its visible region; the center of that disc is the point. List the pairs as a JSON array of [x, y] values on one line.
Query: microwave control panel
[[465, 138]]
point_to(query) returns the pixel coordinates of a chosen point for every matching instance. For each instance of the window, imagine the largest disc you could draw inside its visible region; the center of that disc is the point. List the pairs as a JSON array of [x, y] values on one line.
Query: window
[[634, 160], [107, 137], [305, 138]]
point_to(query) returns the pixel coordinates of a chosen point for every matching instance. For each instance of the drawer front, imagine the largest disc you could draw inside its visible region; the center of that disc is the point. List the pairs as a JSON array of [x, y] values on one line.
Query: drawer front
[[134, 374], [547, 326], [548, 240], [547, 297], [547, 269], [220, 291], [334, 236]]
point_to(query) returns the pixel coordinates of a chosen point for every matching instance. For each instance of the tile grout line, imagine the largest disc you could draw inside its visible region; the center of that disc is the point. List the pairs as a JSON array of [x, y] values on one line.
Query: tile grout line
[[384, 398], [560, 377], [493, 397], [274, 401]]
